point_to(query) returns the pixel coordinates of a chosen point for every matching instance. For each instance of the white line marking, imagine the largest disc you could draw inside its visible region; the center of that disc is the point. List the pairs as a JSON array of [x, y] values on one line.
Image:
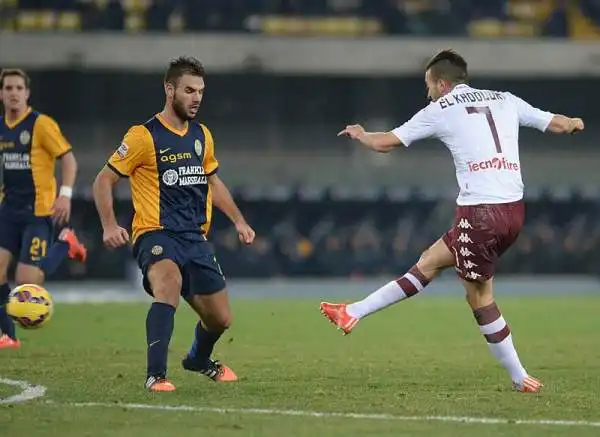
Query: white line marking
[[301, 413], [29, 392]]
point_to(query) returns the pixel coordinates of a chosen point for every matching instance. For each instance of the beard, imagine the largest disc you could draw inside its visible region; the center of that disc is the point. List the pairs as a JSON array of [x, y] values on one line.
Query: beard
[[181, 111]]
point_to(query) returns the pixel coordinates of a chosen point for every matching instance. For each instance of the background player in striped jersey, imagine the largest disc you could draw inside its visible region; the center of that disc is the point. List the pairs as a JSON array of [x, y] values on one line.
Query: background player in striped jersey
[[171, 165], [30, 144], [481, 130]]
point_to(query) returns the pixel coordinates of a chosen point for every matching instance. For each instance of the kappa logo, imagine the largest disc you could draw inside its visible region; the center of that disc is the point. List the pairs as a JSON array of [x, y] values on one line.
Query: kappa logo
[[465, 252], [464, 224], [472, 275], [469, 264], [464, 238]]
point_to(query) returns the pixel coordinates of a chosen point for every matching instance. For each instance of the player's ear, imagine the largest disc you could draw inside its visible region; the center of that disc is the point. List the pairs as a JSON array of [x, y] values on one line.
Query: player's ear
[[169, 89]]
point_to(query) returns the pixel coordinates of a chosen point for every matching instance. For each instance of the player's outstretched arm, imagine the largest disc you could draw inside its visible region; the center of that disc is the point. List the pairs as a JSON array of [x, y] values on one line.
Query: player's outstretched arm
[[561, 124], [223, 200], [114, 235], [382, 142]]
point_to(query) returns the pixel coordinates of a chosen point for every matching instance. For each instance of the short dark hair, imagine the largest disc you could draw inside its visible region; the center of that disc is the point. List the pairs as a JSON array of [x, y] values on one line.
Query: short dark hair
[[183, 65], [14, 72], [448, 65]]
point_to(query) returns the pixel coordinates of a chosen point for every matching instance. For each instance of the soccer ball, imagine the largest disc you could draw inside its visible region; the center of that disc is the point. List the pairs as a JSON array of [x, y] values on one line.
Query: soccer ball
[[30, 306]]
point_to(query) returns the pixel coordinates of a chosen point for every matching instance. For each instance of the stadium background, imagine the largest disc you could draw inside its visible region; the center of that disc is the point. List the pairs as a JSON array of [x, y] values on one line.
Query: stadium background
[[283, 78]]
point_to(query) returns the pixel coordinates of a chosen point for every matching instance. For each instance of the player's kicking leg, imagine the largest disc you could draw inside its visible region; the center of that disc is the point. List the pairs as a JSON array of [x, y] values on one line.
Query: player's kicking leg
[[497, 334], [432, 262], [164, 280], [215, 318]]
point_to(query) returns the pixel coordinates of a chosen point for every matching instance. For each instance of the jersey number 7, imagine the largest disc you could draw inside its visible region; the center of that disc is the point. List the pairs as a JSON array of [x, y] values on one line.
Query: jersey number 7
[[488, 115]]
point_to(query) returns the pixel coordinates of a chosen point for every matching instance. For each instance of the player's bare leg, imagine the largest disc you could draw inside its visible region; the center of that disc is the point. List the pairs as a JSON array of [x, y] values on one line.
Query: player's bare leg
[[215, 319], [432, 262], [497, 334], [28, 274], [8, 339], [165, 281]]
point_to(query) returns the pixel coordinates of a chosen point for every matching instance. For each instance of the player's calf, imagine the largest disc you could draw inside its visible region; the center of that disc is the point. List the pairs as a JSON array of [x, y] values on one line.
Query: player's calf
[[215, 320], [7, 326], [165, 281], [499, 340]]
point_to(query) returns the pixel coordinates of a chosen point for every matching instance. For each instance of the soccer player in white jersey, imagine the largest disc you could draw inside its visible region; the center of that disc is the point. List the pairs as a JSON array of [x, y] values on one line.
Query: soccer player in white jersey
[[481, 130]]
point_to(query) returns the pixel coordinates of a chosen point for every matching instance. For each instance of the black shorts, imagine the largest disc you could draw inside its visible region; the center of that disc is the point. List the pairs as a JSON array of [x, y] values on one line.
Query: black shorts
[[200, 271], [25, 236]]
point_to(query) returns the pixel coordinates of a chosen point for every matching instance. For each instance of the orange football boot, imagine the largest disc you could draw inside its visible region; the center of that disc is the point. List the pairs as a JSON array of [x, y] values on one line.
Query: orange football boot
[[337, 314], [214, 369], [528, 385], [154, 383], [77, 250], [8, 343]]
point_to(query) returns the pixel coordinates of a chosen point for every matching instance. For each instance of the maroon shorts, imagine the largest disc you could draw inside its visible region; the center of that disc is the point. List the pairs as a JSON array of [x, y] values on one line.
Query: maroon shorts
[[481, 234]]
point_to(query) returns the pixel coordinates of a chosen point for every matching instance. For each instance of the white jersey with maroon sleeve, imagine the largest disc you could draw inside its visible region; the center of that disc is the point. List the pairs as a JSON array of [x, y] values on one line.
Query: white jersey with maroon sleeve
[[481, 130]]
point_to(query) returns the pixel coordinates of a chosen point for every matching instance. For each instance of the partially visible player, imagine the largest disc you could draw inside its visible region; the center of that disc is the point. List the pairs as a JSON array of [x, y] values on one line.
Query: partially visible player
[[171, 165], [481, 130], [30, 144]]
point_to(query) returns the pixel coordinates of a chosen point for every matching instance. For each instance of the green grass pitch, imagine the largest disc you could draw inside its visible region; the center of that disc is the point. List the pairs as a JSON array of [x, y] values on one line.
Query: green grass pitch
[[420, 358]]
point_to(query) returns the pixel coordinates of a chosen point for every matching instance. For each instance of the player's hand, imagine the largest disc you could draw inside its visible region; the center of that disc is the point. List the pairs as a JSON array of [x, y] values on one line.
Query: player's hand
[[61, 210], [115, 237], [245, 232], [353, 131], [576, 125]]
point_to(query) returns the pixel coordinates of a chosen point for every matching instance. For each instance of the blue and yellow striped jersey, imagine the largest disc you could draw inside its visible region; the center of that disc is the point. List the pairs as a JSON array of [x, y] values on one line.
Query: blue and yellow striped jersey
[[168, 171], [29, 148]]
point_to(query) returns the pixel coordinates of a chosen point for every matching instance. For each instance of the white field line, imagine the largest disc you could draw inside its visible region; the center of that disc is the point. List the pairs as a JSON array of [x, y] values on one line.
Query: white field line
[[31, 392], [28, 393], [323, 414]]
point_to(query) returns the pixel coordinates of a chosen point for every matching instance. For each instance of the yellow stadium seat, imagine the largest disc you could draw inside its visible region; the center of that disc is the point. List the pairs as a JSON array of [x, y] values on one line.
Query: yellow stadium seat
[[486, 28], [28, 21], [47, 20], [135, 5], [175, 23], [9, 3], [521, 29], [101, 4], [343, 26], [536, 10], [580, 26], [69, 21], [134, 22]]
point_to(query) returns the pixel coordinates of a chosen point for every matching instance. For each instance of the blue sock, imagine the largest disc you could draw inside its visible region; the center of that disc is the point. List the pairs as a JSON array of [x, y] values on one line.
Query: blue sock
[[159, 328], [56, 255], [203, 345], [7, 326]]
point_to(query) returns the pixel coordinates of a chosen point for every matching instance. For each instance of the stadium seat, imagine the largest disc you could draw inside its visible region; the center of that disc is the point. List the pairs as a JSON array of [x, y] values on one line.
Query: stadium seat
[[134, 22], [485, 28], [69, 21]]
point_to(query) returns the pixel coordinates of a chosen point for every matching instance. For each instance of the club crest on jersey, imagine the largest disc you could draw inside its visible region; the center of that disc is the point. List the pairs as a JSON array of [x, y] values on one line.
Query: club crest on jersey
[[122, 150], [156, 250], [198, 147], [25, 137], [170, 177]]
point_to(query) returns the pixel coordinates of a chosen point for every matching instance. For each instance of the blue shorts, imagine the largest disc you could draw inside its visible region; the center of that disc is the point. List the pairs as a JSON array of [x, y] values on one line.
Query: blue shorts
[[25, 236], [200, 271]]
